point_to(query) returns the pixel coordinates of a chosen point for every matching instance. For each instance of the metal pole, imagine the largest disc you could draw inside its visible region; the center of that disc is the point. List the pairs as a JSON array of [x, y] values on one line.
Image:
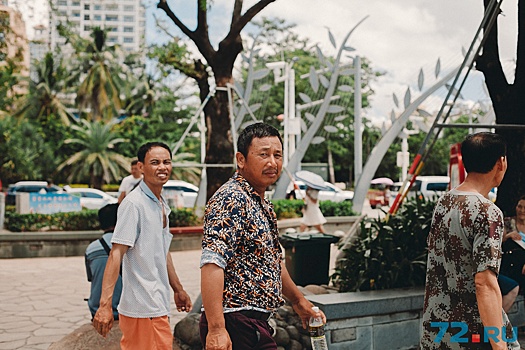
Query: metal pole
[[286, 115], [291, 110], [358, 141]]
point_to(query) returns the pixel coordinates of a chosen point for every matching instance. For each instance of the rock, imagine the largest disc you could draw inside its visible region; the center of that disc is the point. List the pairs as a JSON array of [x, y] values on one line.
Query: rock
[[187, 330], [86, 338], [305, 342], [281, 323], [295, 345], [281, 336], [293, 332], [305, 291], [314, 289]]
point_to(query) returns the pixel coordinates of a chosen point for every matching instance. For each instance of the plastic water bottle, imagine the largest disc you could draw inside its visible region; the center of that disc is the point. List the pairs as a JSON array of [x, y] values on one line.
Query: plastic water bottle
[[316, 329]]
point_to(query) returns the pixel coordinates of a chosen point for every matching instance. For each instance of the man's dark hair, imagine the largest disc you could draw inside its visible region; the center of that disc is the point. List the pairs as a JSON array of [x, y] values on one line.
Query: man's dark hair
[[107, 216], [141, 154], [257, 130], [481, 151], [134, 162]]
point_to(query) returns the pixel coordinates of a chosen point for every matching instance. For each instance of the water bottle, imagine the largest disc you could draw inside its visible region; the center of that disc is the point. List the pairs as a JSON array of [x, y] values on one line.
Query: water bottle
[[316, 329]]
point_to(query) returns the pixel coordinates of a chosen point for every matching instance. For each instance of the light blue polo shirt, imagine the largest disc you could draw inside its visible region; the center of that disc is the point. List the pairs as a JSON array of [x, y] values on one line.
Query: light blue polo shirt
[[145, 283]]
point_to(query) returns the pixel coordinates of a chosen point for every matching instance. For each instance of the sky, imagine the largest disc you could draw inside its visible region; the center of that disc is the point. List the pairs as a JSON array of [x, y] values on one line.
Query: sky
[[399, 37]]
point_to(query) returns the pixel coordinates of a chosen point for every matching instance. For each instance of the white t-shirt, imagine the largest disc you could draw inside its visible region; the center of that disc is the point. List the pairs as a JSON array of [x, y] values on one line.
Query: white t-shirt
[[128, 183]]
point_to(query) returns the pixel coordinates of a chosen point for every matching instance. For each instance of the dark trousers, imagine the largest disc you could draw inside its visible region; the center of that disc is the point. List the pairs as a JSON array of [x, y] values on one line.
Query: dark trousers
[[245, 333]]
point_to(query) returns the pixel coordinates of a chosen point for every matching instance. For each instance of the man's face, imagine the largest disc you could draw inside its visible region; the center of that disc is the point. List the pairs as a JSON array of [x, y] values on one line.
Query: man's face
[[135, 171], [263, 164], [156, 167]]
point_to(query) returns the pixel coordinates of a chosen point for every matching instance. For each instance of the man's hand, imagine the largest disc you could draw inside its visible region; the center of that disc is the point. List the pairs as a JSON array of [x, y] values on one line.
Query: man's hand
[[103, 320], [303, 308], [183, 301], [218, 339]]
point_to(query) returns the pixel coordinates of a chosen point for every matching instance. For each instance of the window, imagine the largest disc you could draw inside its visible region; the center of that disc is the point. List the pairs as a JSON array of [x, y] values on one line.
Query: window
[[76, 14], [76, 3], [112, 39], [111, 18], [128, 39], [98, 7], [86, 17], [128, 30], [86, 7], [112, 29], [97, 17], [129, 19], [112, 7], [87, 28], [62, 3], [129, 8]]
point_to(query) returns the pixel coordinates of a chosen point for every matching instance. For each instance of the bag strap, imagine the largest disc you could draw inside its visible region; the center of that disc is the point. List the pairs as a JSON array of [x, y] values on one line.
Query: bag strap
[[104, 245]]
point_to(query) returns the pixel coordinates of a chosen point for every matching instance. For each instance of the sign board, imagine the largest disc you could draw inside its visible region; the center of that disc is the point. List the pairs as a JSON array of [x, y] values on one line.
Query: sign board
[[48, 203]]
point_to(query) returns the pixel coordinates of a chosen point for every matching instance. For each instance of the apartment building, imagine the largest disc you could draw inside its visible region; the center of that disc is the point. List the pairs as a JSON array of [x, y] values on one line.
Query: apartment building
[[125, 20]]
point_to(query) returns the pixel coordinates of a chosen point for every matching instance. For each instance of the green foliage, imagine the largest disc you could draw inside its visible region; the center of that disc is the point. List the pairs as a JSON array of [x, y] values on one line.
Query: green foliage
[[74, 221], [84, 220], [388, 254], [184, 217], [288, 208], [292, 208]]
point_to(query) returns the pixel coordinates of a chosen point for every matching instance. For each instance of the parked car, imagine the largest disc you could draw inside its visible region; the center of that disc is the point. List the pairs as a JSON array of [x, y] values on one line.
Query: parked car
[[429, 186], [394, 190], [331, 193], [28, 187], [91, 198], [180, 193]]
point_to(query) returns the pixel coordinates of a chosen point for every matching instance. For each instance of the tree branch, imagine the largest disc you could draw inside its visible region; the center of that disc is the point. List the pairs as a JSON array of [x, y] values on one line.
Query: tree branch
[[163, 5], [239, 23], [237, 8]]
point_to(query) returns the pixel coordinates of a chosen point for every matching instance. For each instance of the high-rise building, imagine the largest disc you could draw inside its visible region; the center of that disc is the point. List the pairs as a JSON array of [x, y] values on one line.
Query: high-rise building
[[125, 20]]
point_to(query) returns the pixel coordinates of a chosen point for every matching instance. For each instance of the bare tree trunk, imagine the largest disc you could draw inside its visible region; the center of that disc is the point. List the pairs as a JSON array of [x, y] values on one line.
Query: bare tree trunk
[[509, 105]]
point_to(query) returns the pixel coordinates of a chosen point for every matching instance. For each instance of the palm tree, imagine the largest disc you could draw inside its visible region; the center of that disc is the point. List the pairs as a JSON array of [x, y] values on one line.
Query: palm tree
[[43, 100], [96, 159], [187, 172], [96, 66]]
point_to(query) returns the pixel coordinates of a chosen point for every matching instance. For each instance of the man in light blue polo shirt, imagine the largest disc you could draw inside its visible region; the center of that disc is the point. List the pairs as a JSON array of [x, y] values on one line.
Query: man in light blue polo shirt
[[141, 242]]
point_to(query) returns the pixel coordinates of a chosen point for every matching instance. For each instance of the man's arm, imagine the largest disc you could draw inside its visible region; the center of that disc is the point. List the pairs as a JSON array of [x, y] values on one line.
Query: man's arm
[[488, 296], [301, 305], [103, 320], [182, 299], [212, 285]]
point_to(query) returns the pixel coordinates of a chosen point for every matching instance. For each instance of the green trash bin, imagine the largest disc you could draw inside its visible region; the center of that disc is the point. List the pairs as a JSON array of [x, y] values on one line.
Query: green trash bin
[[307, 256]]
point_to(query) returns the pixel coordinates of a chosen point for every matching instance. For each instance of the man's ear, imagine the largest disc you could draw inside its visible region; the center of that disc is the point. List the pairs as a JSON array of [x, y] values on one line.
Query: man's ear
[[240, 160], [140, 165]]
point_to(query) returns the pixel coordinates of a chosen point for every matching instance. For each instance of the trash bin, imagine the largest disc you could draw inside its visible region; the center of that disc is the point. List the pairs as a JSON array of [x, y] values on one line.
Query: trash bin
[[307, 256]]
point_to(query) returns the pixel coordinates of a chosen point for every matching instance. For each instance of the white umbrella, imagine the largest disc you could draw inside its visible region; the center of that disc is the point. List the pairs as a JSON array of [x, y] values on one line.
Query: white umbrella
[[310, 179]]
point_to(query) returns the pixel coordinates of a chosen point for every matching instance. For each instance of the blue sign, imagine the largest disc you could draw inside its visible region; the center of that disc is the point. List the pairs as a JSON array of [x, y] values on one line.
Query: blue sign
[[51, 203]]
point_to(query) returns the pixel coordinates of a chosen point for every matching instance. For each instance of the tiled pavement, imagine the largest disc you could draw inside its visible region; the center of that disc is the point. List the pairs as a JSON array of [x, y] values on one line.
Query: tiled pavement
[[42, 299]]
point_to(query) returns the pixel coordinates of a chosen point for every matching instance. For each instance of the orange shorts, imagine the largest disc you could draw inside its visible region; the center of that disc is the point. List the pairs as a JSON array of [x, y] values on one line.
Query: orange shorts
[[145, 333]]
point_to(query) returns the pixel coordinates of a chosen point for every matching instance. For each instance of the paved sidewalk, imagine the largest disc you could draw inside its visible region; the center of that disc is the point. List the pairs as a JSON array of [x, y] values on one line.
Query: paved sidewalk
[[42, 299]]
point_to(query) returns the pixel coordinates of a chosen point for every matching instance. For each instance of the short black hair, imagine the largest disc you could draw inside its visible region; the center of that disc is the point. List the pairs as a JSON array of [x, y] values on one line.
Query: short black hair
[[141, 153], [107, 216], [481, 151], [134, 162], [257, 130]]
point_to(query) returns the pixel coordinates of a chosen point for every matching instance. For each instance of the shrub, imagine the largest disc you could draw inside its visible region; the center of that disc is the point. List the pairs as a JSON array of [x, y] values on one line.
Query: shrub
[[184, 217], [84, 220], [388, 254], [291, 208]]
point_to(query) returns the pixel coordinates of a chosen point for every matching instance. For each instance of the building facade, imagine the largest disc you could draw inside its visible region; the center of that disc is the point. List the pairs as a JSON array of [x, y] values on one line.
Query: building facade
[[125, 20]]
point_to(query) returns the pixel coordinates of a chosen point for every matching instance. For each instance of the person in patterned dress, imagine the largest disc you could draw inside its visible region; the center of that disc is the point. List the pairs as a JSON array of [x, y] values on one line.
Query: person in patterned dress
[[464, 255], [243, 275]]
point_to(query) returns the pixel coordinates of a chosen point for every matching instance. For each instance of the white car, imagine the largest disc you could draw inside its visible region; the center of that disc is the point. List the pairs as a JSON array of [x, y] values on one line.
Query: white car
[[91, 198], [331, 193], [180, 193], [430, 187]]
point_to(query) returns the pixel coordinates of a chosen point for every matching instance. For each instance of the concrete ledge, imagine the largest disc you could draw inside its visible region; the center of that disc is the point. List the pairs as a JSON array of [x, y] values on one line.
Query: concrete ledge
[[369, 303]]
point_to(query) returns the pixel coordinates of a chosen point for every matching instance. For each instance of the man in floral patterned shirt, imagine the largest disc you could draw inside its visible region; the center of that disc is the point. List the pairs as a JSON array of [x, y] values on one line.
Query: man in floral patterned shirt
[[464, 255], [243, 276]]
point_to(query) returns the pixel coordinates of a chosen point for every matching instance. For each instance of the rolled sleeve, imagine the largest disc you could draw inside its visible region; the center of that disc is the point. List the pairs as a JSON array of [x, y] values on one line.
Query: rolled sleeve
[[486, 252], [210, 257]]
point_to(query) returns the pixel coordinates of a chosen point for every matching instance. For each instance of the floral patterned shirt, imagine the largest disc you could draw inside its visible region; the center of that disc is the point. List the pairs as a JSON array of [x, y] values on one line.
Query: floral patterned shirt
[[241, 237], [464, 239]]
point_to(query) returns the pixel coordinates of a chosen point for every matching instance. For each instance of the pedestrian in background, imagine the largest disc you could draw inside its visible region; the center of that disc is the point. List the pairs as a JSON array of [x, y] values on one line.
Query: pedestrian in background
[[243, 276], [130, 182], [312, 215], [96, 257]]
